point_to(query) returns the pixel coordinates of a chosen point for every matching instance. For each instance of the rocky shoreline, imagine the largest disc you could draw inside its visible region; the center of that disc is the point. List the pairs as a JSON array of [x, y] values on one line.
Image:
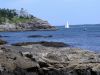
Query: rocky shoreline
[[28, 26], [47, 58], [2, 42]]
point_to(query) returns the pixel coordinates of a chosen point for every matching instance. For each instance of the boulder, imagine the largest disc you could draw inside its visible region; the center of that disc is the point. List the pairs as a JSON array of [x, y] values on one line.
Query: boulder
[[2, 42]]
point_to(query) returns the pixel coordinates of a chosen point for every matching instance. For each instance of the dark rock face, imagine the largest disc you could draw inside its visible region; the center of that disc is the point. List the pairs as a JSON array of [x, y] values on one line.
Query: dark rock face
[[35, 36], [44, 43], [36, 71]]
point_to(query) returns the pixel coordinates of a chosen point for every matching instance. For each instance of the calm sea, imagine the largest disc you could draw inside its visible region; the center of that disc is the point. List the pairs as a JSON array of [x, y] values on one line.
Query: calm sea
[[81, 36]]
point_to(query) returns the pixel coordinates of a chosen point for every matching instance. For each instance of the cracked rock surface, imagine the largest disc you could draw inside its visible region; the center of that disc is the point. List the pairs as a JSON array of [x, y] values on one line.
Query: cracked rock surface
[[36, 59]]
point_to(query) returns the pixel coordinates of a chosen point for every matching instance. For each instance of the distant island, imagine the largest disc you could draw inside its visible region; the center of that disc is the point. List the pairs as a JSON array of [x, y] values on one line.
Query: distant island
[[21, 20]]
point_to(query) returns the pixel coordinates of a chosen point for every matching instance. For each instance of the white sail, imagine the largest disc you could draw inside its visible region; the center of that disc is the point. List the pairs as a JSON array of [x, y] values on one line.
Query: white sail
[[67, 25]]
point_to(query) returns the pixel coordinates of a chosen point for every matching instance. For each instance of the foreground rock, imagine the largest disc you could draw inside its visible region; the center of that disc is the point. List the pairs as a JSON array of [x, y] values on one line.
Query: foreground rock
[[36, 59]]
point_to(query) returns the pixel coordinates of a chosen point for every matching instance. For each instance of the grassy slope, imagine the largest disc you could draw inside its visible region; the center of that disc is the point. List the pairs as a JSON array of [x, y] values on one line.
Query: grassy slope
[[21, 20]]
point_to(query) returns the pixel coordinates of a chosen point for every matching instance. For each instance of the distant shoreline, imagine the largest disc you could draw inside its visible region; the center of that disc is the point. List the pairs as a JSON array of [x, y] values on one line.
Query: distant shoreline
[[29, 30], [21, 20]]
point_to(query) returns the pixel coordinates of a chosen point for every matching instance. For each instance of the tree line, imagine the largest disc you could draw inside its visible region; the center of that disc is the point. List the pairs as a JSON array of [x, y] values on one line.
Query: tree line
[[9, 14]]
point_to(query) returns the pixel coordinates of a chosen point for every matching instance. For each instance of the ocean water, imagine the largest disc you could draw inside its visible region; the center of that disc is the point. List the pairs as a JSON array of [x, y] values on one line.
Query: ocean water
[[80, 36]]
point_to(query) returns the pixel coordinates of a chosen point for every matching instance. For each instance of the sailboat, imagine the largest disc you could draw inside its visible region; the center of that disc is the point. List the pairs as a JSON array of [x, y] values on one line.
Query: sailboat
[[67, 25]]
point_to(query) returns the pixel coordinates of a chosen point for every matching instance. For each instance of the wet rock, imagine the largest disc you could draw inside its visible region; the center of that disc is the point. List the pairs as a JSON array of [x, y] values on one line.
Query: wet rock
[[2, 42], [3, 36], [35, 36], [44, 43]]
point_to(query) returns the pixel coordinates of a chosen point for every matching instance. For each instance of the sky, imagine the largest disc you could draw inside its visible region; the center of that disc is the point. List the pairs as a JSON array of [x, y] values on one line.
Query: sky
[[58, 12]]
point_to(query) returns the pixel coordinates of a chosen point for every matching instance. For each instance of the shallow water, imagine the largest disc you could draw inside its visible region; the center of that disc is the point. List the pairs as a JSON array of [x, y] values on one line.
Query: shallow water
[[83, 36]]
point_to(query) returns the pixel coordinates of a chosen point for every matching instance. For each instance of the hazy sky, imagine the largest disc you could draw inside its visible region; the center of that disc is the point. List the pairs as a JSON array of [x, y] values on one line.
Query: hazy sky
[[58, 12]]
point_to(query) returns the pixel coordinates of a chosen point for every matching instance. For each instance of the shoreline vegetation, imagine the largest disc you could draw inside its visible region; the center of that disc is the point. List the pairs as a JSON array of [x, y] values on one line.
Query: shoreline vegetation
[[21, 20], [47, 58]]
